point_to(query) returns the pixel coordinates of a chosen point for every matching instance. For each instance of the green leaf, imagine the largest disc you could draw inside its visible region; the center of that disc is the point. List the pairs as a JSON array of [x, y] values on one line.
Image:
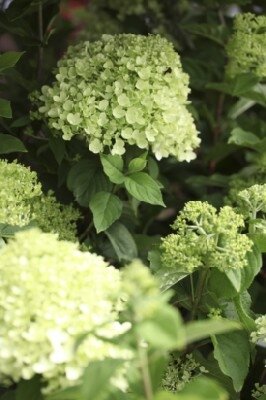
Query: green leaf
[[254, 266], [205, 388], [29, 389], [106, 209], [241, 106], [85, 179], [232, 351], [96, 379], [243, 316], [168, 277], [58, 147], [141, 186], [5, 109], [136, 165], [122, 242], [220, 284], [10, 144], [9, 59], [165, 330], [260, 241], [113, 167], [199, 330], [243, 138]]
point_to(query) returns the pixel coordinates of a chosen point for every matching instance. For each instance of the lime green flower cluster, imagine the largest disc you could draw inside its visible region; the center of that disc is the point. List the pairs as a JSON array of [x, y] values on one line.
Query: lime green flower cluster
[[252, 200], [247, 48], [52, 216], [22, 201], [122, 89], [260, 333], [18, 188], [50, 294], [206, 238], [181, 371]]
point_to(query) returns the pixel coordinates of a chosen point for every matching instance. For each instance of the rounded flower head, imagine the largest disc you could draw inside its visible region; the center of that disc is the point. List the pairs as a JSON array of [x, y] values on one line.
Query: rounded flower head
[[18, 188], [22, 201], [247, 48], [206, 238], [50, 293], [122, 90]]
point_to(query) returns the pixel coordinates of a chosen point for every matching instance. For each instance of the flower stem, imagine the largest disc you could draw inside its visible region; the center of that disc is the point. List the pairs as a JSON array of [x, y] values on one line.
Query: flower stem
[[199, 291], [144, 366]]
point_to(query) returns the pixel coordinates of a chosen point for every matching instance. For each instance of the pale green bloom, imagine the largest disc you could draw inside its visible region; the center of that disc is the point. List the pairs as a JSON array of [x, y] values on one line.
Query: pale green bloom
[[260, 334], [52, 216], [18, 188], [22, 201], [247, 47], [122, 90], [206, 238], [181, 371], [50, 293]]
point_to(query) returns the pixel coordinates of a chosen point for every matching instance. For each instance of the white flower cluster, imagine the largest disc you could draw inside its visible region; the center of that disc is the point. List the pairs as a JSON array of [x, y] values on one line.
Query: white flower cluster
[[122, 89], [50, 294]]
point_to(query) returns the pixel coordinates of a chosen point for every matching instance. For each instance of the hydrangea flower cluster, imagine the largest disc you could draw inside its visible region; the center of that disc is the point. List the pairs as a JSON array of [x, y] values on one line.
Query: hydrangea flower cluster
[[247, 48], [206, 238], [50, 294], [23, 203], [122, 89], [260, 333], [16, 200], [181, 371], [252, 200]]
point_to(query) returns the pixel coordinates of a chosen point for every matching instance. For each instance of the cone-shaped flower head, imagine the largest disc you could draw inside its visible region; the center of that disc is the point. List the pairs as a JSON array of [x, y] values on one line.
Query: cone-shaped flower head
[[247, 47], [122, 89], [22, 201], [50, 293]]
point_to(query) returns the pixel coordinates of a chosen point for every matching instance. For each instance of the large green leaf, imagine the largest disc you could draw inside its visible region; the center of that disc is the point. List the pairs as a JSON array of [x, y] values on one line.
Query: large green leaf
[[10, 144], [96, 379], [58, 147], [165, 330], [29, 389], [85, 179], [122, 241], [5, 109], [141, 186], [113, 167], [243, 138], [232, 351], [106, 209], [9, 59], [198, 330]]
